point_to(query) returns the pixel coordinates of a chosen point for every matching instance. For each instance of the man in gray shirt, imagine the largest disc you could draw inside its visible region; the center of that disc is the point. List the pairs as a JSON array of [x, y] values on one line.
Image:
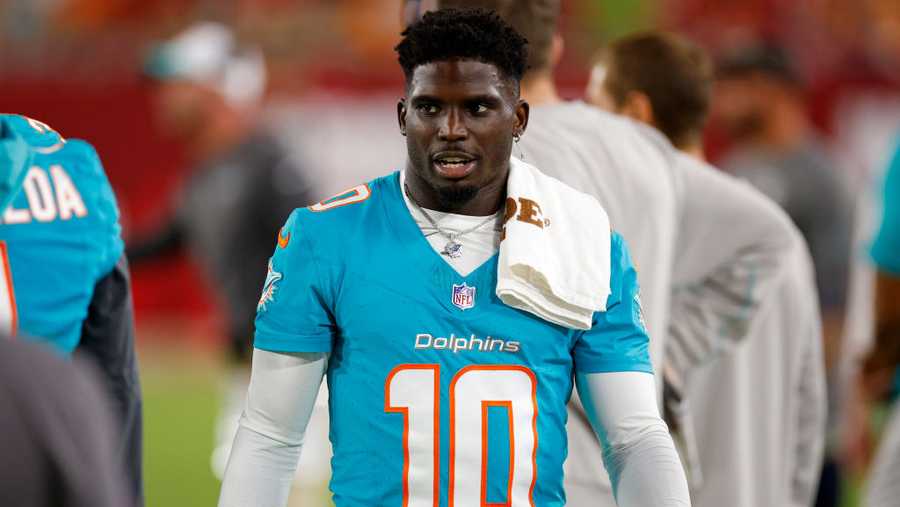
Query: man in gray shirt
[[760, 103], [761, 407], [208, 89]]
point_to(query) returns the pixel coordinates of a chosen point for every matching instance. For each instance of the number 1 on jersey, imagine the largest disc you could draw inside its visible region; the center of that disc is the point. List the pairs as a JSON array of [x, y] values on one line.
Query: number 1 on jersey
[[413, 390], [8, 312]]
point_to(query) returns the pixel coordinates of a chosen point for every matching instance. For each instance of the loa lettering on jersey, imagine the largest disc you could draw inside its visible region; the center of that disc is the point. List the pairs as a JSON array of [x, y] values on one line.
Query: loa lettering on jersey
[[463, 296], [46, 201]]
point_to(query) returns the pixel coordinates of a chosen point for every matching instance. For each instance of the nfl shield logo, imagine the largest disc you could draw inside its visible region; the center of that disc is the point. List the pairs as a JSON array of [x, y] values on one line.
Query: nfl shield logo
[[463, 296]]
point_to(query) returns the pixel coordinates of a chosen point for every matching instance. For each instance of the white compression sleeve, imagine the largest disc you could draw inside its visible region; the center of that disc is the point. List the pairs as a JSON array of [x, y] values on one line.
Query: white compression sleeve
[[637, 449], [280, 400]]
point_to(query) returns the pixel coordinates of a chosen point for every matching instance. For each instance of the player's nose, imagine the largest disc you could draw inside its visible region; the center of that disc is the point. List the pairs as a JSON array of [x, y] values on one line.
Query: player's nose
[[453, 126]]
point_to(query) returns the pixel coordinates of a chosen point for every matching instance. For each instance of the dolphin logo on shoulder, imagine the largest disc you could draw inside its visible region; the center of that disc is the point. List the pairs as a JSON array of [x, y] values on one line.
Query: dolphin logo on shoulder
[[282, 239]]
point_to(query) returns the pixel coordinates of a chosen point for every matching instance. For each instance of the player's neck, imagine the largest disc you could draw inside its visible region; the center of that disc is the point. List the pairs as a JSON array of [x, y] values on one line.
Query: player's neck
[[538, 89], [695, 150], [486, 202]]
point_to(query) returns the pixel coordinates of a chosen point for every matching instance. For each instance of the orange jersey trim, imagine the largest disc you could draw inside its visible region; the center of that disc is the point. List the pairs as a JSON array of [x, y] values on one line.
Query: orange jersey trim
[[282, 239]]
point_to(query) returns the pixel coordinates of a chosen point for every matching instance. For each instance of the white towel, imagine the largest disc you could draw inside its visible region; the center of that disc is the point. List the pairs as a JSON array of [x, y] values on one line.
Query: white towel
[[555, 254]]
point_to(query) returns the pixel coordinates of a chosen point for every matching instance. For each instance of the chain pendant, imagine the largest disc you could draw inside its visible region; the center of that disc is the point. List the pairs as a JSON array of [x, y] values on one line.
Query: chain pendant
[[452, 249]]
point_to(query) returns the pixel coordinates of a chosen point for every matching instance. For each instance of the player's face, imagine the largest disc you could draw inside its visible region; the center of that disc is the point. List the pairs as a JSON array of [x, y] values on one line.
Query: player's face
[[180, 107], [740, 105], [459, 117]]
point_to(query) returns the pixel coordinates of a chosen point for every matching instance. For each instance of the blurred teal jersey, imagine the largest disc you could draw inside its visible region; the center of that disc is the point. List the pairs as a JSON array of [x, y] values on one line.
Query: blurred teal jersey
[[59, 235], [885, 249], [440, 394]]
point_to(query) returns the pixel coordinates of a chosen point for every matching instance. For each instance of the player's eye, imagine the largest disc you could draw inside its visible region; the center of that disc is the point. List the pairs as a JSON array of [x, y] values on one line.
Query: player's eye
[[478, 108], [428, 109]]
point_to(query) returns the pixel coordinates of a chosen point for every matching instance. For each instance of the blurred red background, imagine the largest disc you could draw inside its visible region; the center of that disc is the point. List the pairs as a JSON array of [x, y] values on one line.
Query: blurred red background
[[75, 65]]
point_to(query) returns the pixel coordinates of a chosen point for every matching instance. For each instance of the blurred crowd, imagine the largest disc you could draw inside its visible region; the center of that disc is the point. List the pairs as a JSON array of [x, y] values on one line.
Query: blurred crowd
[[253, 107]]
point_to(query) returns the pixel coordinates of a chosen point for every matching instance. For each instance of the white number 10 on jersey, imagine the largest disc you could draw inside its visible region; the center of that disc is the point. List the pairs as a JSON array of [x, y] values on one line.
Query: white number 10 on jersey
[[413, 390]]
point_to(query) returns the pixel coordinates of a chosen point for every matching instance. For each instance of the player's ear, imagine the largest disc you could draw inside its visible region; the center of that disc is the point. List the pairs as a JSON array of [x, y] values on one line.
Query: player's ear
[[522, 112], [557, 47], [637, 105], [401, 115]]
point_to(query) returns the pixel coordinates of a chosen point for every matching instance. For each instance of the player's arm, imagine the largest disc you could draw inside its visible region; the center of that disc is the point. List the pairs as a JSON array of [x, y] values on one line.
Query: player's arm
[[165, 241], [884, 357], [731, 245], [107, 340], [280, 401], [294, 331], [638, 451], [811, 413], [616, 385], [107, 333]]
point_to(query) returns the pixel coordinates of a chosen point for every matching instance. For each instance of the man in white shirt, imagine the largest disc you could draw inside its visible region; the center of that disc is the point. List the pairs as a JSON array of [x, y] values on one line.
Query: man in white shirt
[[761, 408]]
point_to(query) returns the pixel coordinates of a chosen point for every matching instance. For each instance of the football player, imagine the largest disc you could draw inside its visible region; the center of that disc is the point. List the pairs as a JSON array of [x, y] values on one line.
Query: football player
[[359, 288], [761, 409], [661, 206], [880, 367], [64, 276]]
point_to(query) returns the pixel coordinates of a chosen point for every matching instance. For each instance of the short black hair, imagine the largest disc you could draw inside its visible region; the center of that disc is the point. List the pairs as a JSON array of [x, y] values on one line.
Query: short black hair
[[761, 58], [475, 34]]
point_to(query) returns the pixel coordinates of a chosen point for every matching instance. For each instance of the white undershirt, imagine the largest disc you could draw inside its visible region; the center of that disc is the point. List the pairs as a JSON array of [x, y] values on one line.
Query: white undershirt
[[477, 246]]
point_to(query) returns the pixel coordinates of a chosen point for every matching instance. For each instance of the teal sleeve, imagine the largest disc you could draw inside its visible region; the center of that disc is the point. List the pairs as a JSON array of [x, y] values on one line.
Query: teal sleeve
[[293, 313], [618, 339], [104, 208], [885, 250], [35, 132], [15, 159]]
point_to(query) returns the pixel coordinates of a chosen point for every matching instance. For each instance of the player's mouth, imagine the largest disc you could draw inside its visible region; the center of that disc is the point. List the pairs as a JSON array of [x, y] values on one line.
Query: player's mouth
[[454, 165]]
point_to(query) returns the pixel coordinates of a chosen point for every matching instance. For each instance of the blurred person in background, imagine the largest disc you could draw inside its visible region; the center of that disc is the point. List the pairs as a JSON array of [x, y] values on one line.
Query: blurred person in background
[[637, 175], [879, 371], [760, 408], [208, 89], [55, 423], [759, 102], [64, 277]]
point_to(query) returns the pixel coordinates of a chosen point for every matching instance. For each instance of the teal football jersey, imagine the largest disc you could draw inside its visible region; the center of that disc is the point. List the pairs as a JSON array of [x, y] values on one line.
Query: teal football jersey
[[59, 234], [885, 249], [440, 394]]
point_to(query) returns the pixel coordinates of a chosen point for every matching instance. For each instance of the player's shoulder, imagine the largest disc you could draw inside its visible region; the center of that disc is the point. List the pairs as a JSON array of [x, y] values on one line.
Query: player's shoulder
[[37, 134], [52, 148], [626, 144], [341, 217], [73, 165], [594, 119], [77, 167], [620, 257]]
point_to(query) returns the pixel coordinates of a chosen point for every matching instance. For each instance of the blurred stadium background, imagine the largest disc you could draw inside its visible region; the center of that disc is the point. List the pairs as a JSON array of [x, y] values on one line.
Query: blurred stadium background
[[333, 82]]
